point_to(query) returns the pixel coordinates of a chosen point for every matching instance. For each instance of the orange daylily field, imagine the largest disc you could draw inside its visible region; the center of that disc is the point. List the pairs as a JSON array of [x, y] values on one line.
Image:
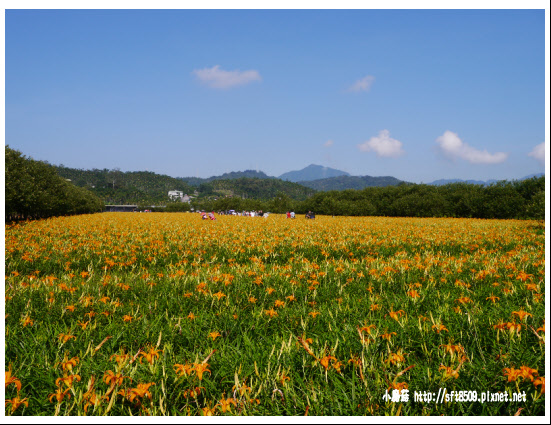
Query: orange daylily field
[[167, 314]]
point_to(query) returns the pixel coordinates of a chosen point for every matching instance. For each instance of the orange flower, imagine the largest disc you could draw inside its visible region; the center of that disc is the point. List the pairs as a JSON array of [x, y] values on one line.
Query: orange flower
[[387, 336], [449, 372], [396, 314], [59, 395], [150, 355], [284, 378], [521, 314], [325, 361], [225, 404], [540, 381], [16, 402], [252, 300], [201, 368], [511, 373], [493, 298], [127, 318], [141, 391], [12, 380], [367, 328], [374, 307], [67, 380], [314, 314], [291, 298], [191, 316], [439, 328], [395, 358], [183, 369], [214, 335], [69, 364], [83, 324], [527, 372], [270, 312], [452, 349], [219, 295], [413, 294], [71, 308], [279, 303], [120, 358], [27, 321], [464, 300], [111, 378]]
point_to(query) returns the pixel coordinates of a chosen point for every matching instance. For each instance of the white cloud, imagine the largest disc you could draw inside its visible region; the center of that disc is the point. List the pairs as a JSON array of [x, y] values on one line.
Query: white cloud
[[538, 152], [453, 147], [383, 145], [328, 143], [363, 84], [219, 79]]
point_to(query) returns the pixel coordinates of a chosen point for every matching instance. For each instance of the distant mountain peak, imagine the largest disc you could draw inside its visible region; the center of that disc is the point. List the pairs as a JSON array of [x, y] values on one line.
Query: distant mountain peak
[[312, 172]]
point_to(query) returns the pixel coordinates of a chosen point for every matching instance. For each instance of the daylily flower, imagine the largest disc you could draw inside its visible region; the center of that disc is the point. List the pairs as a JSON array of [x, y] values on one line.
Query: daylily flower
[[449, 372], [439, 328], [193, 392], [59, 395], [183, 369], [413, 294], [540, 381], [16, 402], [279, 303], [325, 361], [150, 355], [219, 295], [65, 337], [69, 364], [396, 314], [270, 312], [120, 358], [27, 321], [521, 314], [243, 388], [111, 378], [141, 391], [83, 324], [12, 380], [67, 380], [214, 335], [387, 336], [225, 404], [493, 298], [201, 368]]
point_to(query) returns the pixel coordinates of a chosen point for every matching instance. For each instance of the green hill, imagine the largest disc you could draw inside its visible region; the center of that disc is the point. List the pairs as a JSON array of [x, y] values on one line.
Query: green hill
[[351, 182], [131, 187]]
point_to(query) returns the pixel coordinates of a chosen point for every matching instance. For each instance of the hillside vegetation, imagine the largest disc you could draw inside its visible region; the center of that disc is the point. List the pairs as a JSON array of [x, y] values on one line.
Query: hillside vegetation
[[34, 190], [351, 182]]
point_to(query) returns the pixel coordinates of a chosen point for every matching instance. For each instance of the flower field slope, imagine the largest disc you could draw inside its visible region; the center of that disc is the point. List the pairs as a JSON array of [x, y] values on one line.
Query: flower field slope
[[168, 314]]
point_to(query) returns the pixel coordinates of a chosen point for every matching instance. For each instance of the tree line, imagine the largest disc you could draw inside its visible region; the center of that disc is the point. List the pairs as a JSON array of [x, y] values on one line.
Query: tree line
[[523, 199], [33, 190]]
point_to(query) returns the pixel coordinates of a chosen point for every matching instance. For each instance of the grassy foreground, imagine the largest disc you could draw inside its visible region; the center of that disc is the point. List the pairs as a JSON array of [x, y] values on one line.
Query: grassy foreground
[[166, 314]]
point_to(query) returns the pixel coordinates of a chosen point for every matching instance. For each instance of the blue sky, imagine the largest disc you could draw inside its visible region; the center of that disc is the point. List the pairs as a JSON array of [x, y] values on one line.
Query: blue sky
[[415, 94]]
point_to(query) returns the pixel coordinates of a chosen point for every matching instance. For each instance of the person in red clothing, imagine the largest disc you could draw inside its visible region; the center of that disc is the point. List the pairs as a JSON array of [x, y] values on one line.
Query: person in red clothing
[[288, 214]]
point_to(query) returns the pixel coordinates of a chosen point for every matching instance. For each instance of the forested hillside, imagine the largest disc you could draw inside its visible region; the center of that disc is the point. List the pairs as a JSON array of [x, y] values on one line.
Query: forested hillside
[[131, 187], [351, 182], [35, 190]]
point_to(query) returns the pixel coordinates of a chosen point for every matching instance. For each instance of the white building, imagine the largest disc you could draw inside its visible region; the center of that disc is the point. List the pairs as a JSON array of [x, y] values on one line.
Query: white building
[[176, 194]]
